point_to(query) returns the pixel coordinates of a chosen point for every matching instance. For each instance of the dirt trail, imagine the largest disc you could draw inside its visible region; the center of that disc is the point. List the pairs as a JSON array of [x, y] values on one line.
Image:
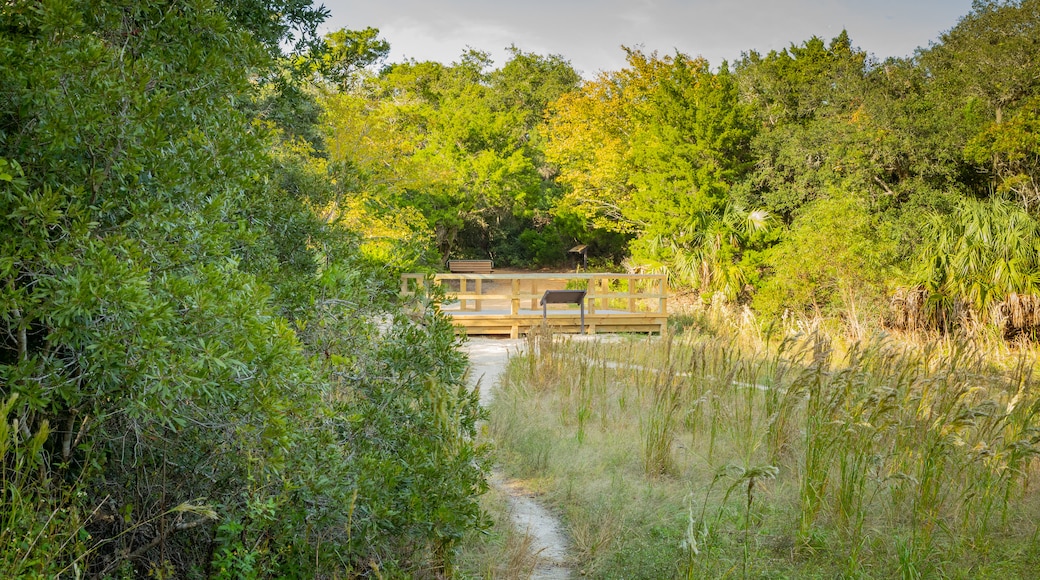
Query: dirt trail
[[488, 359]]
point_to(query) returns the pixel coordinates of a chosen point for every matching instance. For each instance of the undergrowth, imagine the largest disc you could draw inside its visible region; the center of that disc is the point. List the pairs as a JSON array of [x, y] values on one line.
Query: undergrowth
[[762, 455]]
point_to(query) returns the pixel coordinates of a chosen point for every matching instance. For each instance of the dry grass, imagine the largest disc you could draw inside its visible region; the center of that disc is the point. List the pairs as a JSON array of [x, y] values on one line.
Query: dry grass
[[503, 553], [748, 454]]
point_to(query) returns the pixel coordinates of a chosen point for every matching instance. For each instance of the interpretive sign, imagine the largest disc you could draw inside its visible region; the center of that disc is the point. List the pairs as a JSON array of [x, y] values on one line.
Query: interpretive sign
[[564, 297]]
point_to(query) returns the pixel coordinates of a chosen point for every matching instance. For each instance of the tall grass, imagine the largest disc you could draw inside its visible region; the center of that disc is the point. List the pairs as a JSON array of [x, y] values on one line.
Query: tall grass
[[37, 530], [502, 552], [878, 459]]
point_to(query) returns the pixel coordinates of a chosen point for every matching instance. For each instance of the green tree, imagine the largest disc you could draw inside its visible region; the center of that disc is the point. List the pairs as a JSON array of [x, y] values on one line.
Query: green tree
[[695, 149], [990, 55], [834, 261], [655, 151], [348, 52], [815, 132], [186, 343], [456, 143], [983, 72], [1012, 149], [588, 136], [122, 237]]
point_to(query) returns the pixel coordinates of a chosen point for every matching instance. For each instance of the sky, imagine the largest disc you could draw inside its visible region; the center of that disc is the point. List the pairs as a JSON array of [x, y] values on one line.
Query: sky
[[590, 33]]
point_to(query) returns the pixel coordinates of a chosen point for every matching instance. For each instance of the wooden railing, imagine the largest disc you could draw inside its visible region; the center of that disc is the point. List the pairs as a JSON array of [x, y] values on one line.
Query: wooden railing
[[634, 297]]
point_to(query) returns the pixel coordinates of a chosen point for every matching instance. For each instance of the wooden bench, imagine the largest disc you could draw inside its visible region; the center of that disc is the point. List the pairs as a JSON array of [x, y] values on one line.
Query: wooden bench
[[469, 266]]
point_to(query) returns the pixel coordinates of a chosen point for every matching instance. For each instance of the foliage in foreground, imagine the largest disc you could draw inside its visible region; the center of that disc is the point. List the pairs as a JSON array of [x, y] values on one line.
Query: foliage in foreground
[[197, 377], [696, 457]]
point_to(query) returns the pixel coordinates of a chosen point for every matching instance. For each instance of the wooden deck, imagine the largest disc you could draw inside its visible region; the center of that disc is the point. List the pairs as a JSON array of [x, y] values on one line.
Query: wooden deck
[[507, 304]]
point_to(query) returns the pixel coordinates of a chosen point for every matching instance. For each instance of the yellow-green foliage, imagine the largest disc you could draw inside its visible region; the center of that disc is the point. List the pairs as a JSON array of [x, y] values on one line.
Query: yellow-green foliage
[[832, 259]]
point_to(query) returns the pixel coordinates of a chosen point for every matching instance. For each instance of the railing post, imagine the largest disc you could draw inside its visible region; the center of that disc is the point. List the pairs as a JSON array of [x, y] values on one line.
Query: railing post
[[664, 294], [581, 327], [515, 302], [590, 294], [477, 303], [632, 286]]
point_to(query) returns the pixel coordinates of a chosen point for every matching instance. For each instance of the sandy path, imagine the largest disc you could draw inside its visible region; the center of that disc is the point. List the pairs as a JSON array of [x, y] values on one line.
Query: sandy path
[[488, 359]]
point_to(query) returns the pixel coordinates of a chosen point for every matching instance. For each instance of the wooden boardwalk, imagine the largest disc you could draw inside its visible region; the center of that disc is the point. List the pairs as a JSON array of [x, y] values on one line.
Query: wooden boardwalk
[[508, 304]]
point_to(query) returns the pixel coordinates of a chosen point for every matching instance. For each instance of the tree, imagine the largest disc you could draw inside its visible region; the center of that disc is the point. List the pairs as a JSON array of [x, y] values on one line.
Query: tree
[[188, 349], [834, 260], [528, 82], [347, 52], [1012, 148], [457, 143], [989, 55], [588, 137], [816, 131], [654, 151], [123, 231], [982, 72], [694, 151], [274, 23]]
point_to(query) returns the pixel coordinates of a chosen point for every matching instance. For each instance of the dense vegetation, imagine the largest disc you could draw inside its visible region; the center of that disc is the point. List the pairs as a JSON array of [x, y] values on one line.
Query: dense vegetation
[[204, 367], [200, 376], [812, 181], [816, 180]]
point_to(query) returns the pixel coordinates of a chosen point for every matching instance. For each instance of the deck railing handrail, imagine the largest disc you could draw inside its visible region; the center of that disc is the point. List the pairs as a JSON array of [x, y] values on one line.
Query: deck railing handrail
[[598, 288]]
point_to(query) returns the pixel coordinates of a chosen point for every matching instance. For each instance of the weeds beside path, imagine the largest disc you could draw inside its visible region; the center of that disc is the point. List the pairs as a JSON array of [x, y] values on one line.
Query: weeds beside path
[[538, 534]]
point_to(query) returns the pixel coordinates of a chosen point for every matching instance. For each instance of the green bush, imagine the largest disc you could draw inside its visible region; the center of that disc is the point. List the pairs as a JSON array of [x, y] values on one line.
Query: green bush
[[834, 258], [193, 376]]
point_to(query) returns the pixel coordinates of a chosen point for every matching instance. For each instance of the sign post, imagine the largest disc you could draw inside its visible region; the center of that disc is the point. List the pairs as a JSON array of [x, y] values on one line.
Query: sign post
[[583, 251]]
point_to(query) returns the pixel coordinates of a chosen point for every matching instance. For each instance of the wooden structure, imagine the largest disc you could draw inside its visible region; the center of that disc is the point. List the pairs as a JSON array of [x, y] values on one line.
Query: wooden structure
[[470, 266], [508, 304], [583, 251]]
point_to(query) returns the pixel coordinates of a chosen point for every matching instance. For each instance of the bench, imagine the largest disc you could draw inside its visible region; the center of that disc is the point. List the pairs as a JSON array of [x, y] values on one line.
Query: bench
[[469, 266]]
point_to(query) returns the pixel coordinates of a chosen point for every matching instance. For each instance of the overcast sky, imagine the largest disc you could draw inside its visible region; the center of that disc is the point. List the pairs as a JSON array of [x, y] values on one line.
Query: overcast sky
[[589, 33]]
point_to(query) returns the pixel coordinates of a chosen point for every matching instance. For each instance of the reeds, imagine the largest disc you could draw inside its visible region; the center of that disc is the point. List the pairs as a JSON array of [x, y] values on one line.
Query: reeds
[[659, 424], [39, 534], [905, 457]]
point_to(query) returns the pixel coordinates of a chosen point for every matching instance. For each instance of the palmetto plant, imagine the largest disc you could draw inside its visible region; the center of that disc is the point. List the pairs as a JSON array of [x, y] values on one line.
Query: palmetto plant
[[983, 260], [706, 255]]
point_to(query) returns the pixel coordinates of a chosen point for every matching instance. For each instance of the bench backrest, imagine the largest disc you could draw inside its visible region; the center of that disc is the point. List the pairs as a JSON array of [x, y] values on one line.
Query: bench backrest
[[470, 266]]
